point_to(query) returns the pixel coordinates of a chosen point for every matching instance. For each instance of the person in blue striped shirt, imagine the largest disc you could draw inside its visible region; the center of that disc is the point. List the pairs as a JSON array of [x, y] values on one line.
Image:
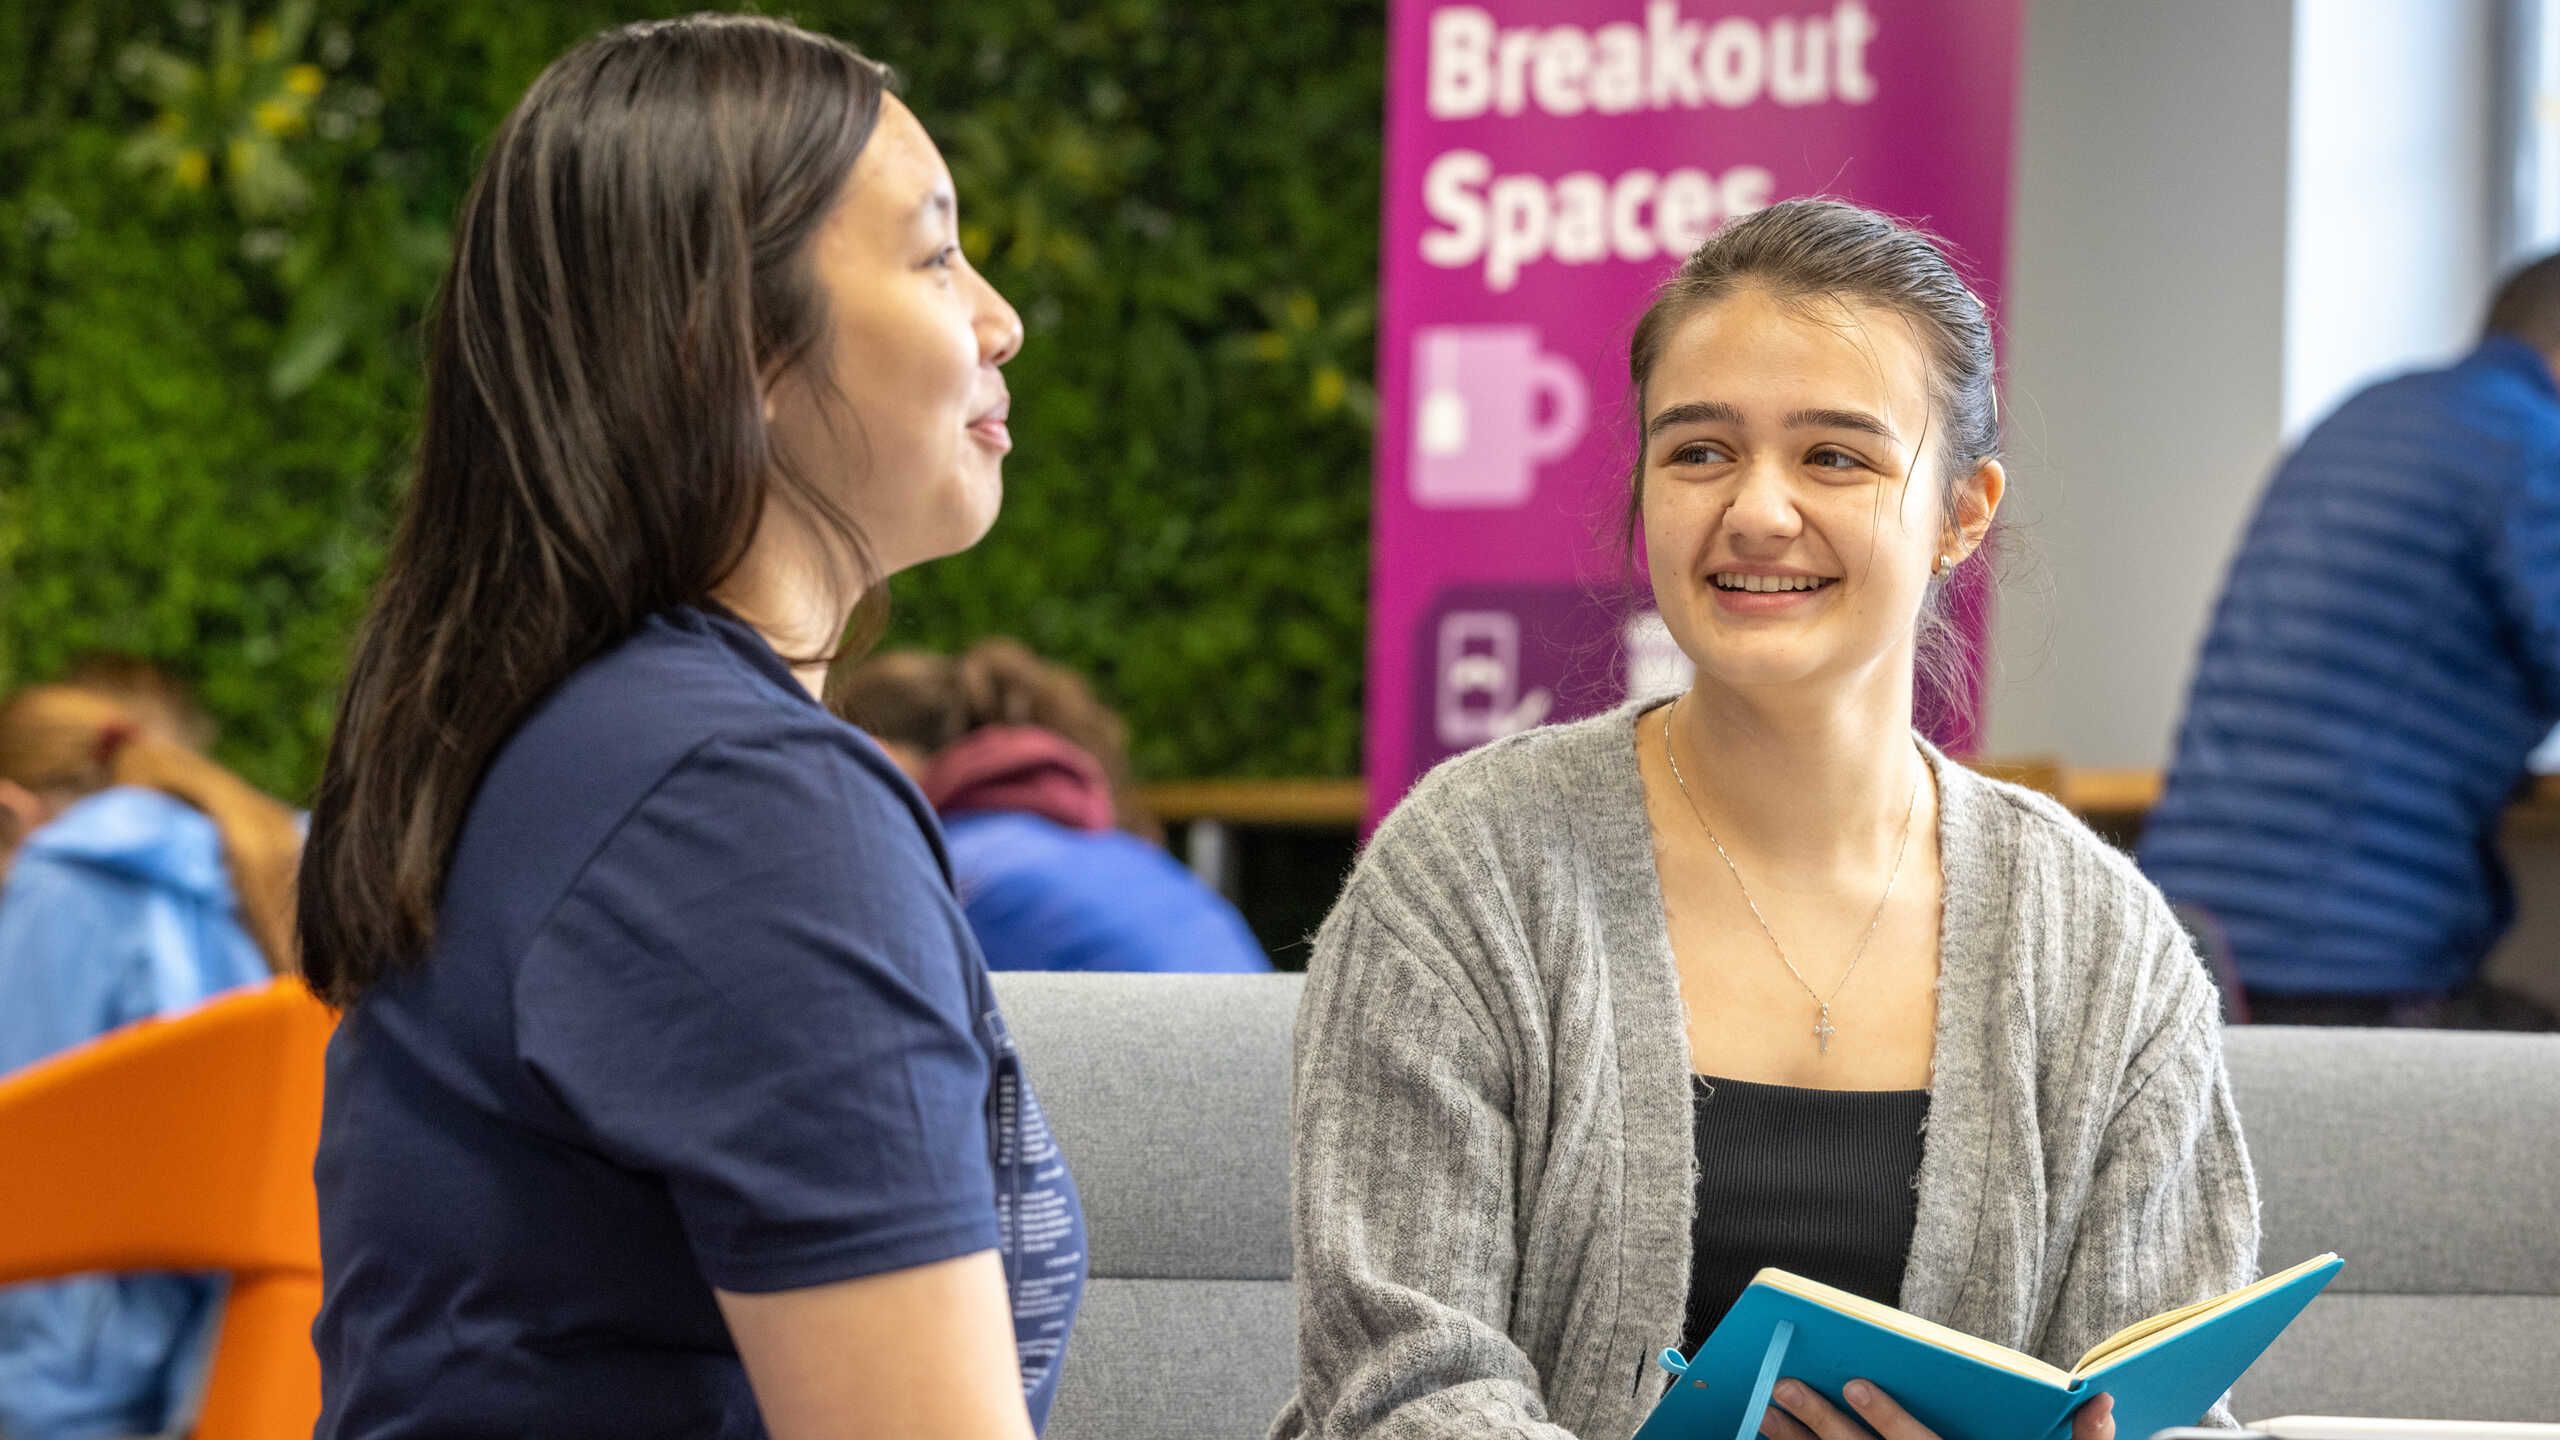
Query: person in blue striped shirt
[[2384, 658]]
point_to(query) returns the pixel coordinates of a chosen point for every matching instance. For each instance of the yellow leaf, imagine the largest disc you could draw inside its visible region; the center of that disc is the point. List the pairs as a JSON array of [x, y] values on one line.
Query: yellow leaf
[[1329, 389], [262, 41], [1270, 345], [194, 167], [277, 117], [1302, 311], [305, 80]]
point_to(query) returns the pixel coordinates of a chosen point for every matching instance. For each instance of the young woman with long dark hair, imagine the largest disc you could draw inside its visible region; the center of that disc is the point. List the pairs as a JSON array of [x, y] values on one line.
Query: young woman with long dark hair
[[670, 1097]]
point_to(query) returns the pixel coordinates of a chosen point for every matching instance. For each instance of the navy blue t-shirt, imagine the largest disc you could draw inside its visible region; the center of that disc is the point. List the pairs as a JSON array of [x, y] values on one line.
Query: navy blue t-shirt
[[702, 1011]]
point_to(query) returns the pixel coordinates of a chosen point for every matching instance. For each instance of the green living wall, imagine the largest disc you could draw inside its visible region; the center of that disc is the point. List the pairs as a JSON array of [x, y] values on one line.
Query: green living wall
[[219, 227]]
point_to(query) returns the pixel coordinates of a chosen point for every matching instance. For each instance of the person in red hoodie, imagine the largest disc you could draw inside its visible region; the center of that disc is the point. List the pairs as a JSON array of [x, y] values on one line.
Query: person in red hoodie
[[1057, 863]]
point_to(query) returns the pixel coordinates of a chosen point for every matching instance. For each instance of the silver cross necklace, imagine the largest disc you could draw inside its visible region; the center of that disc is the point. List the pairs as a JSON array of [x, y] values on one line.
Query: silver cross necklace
[[1823, 1029]]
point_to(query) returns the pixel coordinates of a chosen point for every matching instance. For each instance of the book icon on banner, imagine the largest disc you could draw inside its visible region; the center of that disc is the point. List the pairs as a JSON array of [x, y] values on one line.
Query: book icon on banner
[[2163, 1372], [1490, 407]]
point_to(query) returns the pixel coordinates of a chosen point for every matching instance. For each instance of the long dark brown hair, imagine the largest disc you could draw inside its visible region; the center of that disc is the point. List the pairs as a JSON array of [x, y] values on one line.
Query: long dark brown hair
[[630, 274]]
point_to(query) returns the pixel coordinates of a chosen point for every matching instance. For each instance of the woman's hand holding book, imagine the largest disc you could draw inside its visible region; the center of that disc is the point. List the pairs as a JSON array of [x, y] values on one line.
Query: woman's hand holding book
[[1799, 1412]]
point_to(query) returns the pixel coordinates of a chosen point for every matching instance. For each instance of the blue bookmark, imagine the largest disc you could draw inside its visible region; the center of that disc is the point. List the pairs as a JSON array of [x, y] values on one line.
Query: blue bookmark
[[1779, 1338], [1758, 1404]]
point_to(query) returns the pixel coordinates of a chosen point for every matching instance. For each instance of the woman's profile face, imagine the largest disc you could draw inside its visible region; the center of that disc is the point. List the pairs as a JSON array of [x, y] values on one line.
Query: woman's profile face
[[1792, 500], [911, 437]]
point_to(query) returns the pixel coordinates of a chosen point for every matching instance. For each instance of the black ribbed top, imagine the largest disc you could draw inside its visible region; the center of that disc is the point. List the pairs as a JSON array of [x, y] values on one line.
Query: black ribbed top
[[1819, 1182]]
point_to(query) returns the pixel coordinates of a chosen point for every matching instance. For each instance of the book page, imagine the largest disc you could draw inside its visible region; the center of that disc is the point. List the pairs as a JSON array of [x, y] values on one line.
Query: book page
[[2143, 1334], [1928, 1332]]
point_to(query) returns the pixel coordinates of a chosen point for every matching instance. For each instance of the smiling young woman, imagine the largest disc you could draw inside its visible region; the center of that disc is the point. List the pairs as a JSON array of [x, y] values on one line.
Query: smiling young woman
[[671, 1096], [1612, 1014]]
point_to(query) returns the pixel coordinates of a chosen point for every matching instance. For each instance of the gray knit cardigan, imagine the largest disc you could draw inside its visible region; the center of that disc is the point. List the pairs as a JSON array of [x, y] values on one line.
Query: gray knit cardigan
[[1493, 1170]]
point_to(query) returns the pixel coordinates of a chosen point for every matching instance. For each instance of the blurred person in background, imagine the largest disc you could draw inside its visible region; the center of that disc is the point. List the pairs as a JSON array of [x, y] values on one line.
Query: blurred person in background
[[1054, 857], [142, 879], [159, 702], [2384, 659]]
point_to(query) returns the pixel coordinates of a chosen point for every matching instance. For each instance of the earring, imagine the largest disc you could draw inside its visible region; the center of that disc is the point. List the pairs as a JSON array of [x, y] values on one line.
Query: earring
[[1942, 565]]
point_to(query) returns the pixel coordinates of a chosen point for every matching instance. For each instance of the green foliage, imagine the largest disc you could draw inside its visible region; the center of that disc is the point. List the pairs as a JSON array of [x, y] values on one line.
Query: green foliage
[[218, 233], [158, 495]]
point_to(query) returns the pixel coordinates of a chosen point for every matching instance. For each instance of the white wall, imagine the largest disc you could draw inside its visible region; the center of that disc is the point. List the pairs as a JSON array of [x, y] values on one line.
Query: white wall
[[2227, 217], [2145, 344], [2392, 209]]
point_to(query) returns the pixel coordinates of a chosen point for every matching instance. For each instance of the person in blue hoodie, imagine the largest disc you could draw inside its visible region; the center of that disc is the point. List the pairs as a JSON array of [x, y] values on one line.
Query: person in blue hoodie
[[2384, 659], [1056, 861], [140, 879]]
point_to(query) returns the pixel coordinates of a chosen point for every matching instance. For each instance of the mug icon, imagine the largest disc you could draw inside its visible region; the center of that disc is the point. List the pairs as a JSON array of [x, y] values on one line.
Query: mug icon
[[1477, 442], [1479, 695]]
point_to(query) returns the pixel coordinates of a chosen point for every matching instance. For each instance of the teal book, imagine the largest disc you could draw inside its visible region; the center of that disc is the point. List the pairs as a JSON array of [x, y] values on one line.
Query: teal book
[[2165, 1371]]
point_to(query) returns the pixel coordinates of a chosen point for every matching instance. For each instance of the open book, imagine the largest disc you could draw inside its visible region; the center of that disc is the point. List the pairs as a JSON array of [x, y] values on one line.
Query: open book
[[2164, 1371]]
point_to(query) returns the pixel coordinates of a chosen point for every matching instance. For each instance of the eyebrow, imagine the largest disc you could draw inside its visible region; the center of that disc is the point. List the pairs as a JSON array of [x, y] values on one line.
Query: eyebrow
[[938, 203], [1694, 412], [1858, 420], [1716, 412]]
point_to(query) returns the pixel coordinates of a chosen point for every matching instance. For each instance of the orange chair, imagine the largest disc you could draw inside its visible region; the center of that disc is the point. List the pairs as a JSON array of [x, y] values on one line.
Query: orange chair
[[186, 1144]]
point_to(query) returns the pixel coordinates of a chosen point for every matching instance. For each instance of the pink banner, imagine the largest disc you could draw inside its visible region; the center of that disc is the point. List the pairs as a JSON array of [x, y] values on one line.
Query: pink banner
[[1548, 163]]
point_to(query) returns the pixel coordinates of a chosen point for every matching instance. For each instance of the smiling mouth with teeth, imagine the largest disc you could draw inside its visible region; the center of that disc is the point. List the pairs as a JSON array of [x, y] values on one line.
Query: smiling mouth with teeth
[[1758, 584]]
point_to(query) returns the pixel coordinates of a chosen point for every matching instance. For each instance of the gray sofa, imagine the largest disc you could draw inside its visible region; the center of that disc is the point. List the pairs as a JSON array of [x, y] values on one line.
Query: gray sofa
[[2430, 1161]]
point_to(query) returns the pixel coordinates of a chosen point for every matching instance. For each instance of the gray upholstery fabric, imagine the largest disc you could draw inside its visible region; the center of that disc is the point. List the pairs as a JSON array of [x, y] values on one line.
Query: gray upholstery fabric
[[2441, 1357], [2393, 1148], [1157, 1359], [1170, 1096], [2431, 1161]]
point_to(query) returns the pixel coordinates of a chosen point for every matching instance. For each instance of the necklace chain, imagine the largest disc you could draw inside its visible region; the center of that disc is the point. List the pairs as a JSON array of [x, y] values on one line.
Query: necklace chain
[[1822, 1026]]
